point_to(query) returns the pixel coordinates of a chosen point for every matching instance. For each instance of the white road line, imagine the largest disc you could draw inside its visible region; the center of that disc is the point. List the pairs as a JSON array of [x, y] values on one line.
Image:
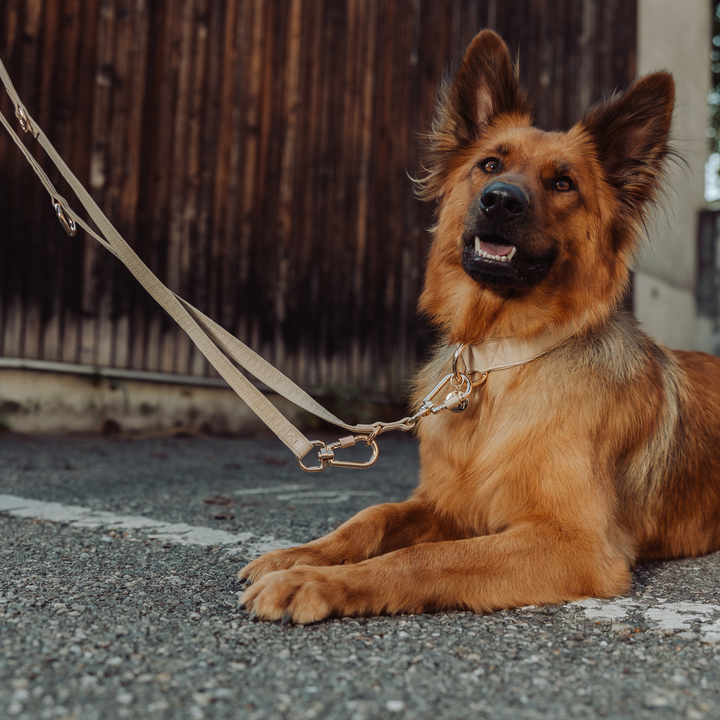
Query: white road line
[[677, 615], [270, 490], [604, 610], [668, 616], [306, 495], [315, 497], [178, 533]]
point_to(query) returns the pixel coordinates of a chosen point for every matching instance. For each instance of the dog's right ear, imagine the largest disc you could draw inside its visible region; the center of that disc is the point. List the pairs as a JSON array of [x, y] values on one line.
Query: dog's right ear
[[485, 87]]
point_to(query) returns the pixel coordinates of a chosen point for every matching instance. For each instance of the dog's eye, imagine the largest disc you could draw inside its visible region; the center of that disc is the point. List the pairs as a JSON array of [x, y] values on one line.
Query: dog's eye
[[490, 166], [563, 184]]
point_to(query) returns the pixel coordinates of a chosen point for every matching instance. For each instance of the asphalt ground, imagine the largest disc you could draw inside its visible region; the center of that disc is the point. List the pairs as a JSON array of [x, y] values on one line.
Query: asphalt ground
[[118, 599]]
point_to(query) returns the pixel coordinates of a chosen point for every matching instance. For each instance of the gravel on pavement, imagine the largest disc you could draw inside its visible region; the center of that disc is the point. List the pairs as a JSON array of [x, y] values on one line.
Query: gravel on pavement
[[113, 604]]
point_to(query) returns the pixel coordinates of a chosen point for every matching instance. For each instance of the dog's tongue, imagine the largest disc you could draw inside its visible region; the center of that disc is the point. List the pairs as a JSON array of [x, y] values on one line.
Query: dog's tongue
[[495, 249]]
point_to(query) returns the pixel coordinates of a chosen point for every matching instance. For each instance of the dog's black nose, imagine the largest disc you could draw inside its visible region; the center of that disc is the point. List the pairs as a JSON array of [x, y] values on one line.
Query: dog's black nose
[[502, 202]]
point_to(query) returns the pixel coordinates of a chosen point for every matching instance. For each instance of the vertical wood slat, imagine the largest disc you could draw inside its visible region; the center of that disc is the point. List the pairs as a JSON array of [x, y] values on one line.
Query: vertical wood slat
[[93, 264], [44, 31], [286, 184], [54, 276], [254, 153]]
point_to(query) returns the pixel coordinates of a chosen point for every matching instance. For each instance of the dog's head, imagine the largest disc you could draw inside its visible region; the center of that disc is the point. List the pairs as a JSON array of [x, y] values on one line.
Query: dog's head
[[535, 229]]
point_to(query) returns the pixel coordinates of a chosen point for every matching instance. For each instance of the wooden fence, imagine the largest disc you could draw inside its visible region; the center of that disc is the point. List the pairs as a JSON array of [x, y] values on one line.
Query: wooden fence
[[254, 152]]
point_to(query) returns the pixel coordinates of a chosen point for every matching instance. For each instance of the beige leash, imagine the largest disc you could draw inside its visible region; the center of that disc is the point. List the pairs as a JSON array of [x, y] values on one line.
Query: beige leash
[[218, 345]]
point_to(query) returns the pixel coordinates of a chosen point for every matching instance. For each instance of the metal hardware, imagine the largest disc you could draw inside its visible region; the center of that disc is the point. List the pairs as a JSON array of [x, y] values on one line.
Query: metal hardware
[[68, 223], [453, 400], [456, 401], [326, 455], [314, 468], [21, 115], [456, 356], [346, 442]]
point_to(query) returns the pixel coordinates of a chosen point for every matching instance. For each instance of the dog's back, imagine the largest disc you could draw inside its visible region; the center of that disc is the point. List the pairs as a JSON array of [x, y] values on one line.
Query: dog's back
[[688, 513]]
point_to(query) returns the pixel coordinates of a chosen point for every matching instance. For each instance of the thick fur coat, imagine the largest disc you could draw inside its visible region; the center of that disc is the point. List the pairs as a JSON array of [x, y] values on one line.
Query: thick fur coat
[[565, 472]]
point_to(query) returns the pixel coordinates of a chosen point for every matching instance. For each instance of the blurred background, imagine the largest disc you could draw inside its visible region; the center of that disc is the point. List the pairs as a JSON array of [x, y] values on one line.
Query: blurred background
[[256, 154]]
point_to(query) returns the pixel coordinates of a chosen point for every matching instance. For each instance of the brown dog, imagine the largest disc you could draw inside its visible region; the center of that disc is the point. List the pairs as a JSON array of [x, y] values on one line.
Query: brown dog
[[568, 469]]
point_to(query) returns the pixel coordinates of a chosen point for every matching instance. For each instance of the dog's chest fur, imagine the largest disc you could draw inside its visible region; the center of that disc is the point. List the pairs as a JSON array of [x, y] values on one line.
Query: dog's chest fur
[[556, 418]]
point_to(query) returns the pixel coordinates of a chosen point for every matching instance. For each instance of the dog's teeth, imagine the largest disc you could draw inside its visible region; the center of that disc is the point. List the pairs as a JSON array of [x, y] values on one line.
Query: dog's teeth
[[479, 252]]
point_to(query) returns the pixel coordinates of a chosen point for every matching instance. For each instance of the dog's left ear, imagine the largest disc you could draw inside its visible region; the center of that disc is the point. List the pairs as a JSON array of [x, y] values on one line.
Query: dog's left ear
[[630, 133], [485, 87]]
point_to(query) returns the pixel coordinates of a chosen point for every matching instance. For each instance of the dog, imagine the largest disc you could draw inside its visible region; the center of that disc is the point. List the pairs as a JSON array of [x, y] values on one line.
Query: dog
[[600, 451]]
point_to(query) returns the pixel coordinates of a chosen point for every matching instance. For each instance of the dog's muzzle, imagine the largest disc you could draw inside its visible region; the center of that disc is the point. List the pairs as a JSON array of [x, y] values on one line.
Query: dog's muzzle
[[501, 203], [495, 250]]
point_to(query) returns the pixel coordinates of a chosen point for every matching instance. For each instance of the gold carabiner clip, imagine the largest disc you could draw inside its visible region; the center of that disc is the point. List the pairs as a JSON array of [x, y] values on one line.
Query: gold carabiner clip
[[326, 455], [354, 463]]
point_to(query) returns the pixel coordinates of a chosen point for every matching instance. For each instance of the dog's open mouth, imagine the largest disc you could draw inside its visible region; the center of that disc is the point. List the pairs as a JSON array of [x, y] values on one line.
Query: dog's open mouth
[[491, 259], [498, 252]]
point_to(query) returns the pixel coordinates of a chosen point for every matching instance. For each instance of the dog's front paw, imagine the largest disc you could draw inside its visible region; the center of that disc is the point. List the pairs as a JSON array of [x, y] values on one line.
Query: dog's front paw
[[282, 559], [301, 595]]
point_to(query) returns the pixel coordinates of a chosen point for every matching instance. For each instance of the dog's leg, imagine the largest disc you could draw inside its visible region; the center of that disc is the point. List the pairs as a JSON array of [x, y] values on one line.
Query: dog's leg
[[374, 531], [517, 567]]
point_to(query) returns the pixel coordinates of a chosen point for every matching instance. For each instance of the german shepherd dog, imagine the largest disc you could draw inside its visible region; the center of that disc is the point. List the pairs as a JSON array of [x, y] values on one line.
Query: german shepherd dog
[[563, 472]]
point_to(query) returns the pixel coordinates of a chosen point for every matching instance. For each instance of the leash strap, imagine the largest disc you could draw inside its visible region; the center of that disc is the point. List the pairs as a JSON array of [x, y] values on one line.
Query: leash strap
[[204, 332], [218, 345]]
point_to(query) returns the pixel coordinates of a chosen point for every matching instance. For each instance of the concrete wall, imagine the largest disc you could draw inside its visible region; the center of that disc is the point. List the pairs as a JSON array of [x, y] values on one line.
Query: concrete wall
[[51, 402], [675, 35]]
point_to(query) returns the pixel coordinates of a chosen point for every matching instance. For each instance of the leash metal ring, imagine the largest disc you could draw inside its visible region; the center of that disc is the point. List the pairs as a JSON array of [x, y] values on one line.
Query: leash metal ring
[[68, 223], [21, 115], [314, 468], [457, 380]]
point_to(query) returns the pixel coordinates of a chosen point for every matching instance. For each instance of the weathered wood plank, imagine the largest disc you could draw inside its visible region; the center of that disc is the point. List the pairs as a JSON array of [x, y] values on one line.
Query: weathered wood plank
[[254, 153]]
